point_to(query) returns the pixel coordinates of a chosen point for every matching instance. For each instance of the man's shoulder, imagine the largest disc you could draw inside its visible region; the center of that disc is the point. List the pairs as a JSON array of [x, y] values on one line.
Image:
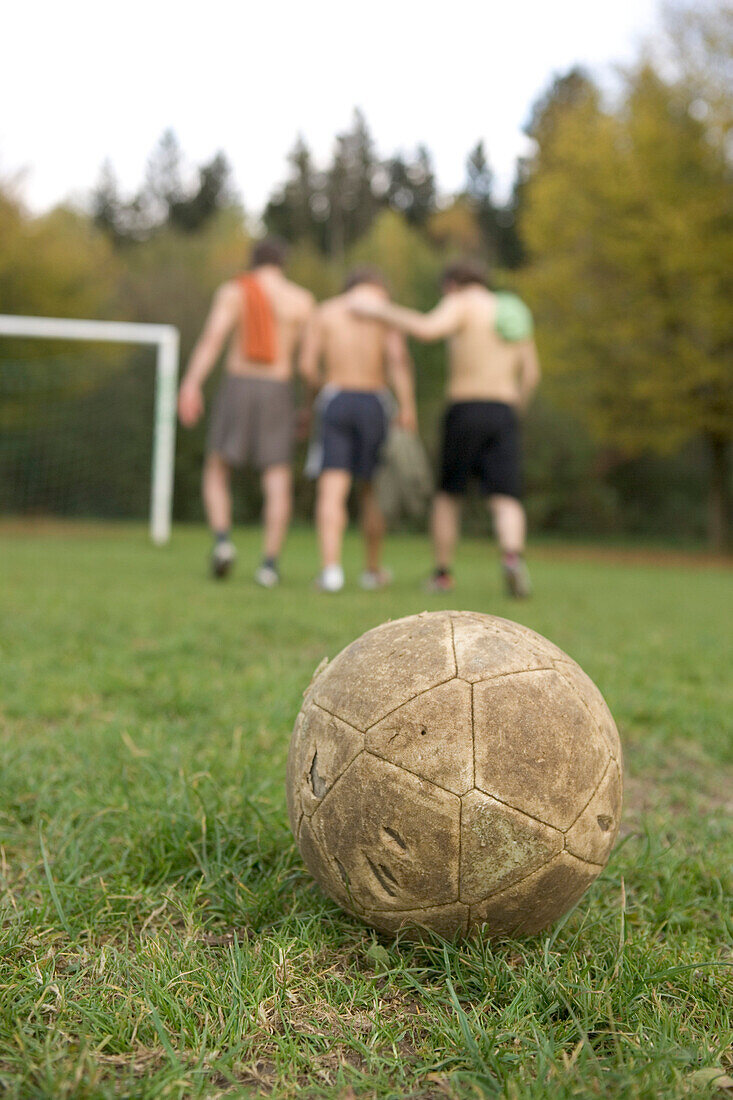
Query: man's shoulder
[[228, 293], [230, 287], [475, 292], [478, 302], [331, 307], [300, 296]]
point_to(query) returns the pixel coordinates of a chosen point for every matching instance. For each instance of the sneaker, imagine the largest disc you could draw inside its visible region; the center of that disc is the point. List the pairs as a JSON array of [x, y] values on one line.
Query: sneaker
[[372, 580], [440, 582], [517, 582], [267, 575], [223, 557], [330, 579]]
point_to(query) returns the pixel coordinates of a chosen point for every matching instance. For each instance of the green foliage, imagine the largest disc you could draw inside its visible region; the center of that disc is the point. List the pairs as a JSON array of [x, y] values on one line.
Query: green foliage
[[409, 263], [631, 277], [160, 935], [171, 276], [455, 229], [57, 264], [628, 218], [308, 267]]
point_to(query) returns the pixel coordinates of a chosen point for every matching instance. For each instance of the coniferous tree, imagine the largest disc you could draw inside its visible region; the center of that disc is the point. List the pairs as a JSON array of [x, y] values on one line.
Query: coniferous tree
[[352, 201], [163, 188], [410, 187], [191, 211], [106, 202], [479, 192], [166, 198], [298, 210]]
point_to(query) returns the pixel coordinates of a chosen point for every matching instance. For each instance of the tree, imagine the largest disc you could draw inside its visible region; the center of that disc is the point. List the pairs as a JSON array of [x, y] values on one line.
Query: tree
[[297, 211], [163, 188], [171, 195], [628, 222], [409, 185], [56, 265], [478, 191], [512, 254], [352, 203], [106, 201], [455, 228], [566, 92], [402, 253], [212, 194]]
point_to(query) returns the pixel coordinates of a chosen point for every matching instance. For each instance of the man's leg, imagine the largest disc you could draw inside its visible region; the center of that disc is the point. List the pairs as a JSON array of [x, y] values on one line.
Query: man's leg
[[277, 490], [218, 508], [510, 526], [444, 525], [331, 519], [510, 523], [373, 527], [216, 494]]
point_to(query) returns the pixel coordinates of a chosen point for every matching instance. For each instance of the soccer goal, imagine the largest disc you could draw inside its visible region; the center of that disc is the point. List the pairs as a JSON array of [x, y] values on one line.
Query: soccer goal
[[71, 395]]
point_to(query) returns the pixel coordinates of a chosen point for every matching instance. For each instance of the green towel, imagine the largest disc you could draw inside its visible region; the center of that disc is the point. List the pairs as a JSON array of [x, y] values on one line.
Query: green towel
[[513, 319]]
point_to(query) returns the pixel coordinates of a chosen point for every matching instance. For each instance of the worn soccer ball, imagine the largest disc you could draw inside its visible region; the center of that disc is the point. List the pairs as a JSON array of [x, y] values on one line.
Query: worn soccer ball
[[454, 771]]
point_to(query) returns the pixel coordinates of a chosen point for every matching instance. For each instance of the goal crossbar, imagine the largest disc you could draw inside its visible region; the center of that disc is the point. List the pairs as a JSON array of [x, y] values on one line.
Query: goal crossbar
[[166, 340]]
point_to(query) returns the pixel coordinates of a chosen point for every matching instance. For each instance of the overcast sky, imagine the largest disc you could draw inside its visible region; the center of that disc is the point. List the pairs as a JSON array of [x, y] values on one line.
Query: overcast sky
[[83, 81]]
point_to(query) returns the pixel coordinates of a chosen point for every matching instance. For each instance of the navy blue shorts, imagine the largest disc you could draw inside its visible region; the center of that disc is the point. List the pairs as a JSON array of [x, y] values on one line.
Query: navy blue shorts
[[481, 441], [354, 429]]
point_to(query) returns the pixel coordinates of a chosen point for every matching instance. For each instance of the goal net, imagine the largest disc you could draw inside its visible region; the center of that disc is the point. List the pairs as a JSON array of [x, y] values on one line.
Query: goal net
[[87, 420]]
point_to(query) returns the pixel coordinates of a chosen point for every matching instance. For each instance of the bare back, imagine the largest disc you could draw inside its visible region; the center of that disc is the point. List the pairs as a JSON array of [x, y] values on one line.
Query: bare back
[[353, 350], [292, 307], [482, 366]]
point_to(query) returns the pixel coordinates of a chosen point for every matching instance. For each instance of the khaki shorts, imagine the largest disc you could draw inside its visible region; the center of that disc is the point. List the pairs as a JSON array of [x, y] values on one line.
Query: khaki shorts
[[252, 422]]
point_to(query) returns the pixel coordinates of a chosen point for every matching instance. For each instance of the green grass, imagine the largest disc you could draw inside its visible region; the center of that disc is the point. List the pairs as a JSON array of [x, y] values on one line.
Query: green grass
[[160, 934]]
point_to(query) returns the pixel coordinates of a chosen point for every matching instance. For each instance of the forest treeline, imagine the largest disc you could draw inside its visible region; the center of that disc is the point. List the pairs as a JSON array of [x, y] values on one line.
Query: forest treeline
[[618, 232]]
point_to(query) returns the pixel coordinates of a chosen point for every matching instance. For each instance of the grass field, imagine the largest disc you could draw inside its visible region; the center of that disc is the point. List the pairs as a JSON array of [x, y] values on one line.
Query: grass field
[[160, 935]]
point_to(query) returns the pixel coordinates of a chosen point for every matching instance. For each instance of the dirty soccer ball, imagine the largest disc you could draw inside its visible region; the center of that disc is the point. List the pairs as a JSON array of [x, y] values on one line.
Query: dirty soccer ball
[[452, 770]]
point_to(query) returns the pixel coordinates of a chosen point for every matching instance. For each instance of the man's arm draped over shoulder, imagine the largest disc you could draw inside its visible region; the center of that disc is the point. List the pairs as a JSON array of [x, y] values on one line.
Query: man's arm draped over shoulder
[[440, 323], [222, 317]]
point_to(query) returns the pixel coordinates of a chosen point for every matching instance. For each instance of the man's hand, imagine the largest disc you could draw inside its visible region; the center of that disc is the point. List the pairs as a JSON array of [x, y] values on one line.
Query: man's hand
[[367, 307], [190, 404], [407, 420]]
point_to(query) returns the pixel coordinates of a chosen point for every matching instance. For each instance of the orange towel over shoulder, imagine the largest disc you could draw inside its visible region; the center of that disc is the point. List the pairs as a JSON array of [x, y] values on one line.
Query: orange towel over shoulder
[[259, 334]]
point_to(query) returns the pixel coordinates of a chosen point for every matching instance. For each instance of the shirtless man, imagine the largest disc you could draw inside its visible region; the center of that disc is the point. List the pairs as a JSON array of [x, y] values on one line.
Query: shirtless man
[[359, 358], [490, 381], [263, 316]]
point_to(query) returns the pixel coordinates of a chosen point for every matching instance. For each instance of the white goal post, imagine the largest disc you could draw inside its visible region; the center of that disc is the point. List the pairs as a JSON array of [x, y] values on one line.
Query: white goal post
[[165, 339]]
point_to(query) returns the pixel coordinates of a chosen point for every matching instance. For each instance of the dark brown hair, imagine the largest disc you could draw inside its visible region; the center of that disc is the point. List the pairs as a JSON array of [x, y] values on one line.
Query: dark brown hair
[[271, 250], [464, 272], [365, 274]]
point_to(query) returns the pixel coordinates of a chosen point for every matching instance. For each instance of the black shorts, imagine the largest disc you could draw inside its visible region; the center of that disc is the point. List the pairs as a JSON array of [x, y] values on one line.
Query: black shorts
[[354, 429], [481, 440]]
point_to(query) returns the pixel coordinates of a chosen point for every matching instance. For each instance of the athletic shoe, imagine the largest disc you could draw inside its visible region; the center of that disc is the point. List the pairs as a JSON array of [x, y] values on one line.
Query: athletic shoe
[[330, 579], [516, 578], [372, 580], [440, 582], [267, 576], [223, 557]]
